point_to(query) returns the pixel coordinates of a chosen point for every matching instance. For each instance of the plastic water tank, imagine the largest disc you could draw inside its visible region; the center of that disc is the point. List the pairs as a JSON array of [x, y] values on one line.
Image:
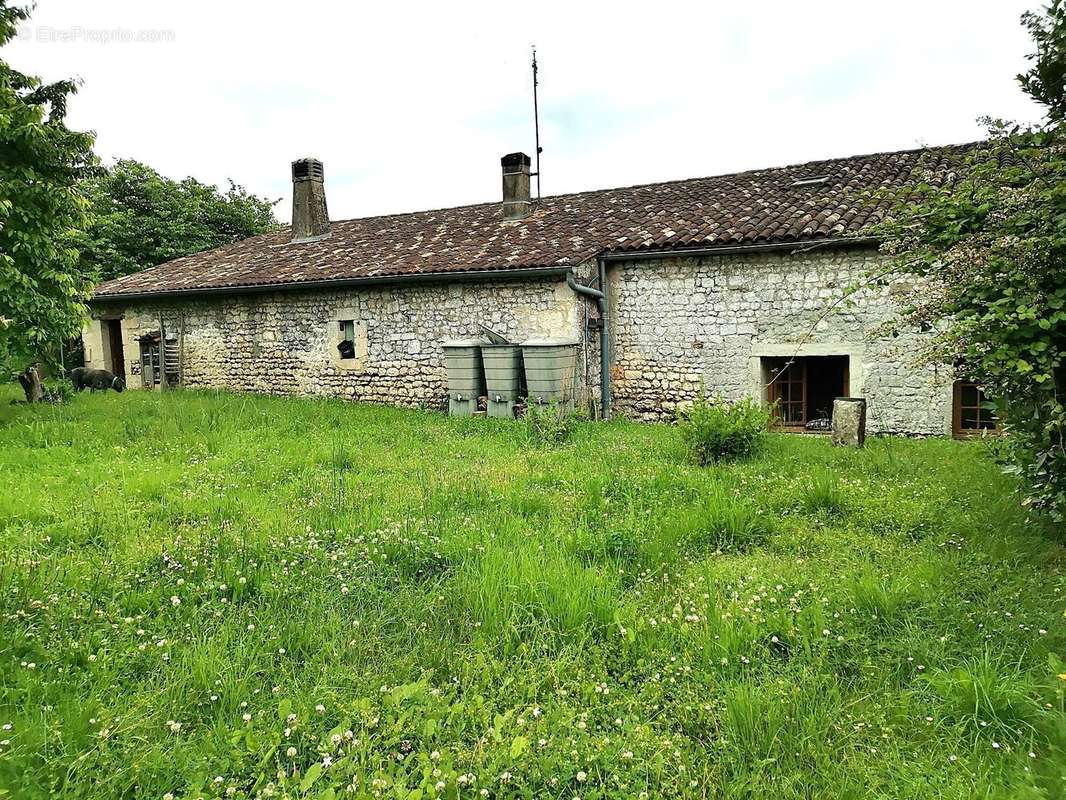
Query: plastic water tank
[[551, 370], [503, 377], [466, 381]]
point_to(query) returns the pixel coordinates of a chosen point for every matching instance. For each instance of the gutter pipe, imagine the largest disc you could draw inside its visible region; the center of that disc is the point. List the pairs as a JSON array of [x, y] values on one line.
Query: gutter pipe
[[605, 354]]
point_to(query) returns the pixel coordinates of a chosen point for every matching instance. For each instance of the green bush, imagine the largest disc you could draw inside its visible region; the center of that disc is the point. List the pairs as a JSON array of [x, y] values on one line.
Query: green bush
[[549, 424], [58, 390], [714, 430]]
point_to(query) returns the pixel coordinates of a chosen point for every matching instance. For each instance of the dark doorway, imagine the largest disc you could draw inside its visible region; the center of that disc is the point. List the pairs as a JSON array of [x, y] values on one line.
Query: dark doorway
[[804, 389], [114, 339]]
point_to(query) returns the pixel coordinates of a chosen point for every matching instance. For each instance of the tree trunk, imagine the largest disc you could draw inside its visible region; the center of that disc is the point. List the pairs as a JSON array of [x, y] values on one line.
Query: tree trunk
[[31, 385]]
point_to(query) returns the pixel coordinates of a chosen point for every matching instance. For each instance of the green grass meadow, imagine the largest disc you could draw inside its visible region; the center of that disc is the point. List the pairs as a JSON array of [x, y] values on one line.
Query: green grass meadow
[[214, 596]]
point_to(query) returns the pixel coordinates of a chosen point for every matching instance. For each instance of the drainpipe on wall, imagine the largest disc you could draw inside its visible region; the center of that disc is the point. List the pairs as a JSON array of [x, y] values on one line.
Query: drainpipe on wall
[[605, 356]]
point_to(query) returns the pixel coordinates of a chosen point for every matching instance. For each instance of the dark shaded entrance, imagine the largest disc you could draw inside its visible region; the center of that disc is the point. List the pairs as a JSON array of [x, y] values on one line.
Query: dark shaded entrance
[[113, 328], [804, 389]]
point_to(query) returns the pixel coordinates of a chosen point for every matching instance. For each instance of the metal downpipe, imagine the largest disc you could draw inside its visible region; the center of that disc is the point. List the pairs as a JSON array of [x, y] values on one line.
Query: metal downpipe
[[601, 303]]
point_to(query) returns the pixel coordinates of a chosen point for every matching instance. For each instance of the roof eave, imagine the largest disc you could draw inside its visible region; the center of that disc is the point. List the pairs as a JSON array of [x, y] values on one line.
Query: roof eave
[[339, 283]]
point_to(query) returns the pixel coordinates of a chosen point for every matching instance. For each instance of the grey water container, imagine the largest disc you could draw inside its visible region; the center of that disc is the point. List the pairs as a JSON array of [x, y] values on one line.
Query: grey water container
[[551, 370], [503, 377], [466, 382]]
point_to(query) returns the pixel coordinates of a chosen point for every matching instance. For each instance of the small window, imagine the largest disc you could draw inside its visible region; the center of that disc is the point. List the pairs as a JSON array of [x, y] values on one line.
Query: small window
[[346, 346], [973, 412]]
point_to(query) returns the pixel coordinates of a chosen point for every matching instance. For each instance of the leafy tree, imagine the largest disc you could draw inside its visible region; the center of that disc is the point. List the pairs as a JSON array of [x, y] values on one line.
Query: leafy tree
[[988, 244], [141, 218], [43, 284]]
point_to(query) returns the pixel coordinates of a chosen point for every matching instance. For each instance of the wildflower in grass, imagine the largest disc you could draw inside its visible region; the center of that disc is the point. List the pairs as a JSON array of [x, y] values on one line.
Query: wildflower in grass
[[246, 717], [581, 776], [321, 709], [175, 600], [291, 752], [327, 760], [175, 727]]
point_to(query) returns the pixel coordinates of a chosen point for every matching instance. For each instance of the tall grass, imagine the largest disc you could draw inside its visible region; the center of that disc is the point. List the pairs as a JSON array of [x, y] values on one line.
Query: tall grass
[[311, 597]]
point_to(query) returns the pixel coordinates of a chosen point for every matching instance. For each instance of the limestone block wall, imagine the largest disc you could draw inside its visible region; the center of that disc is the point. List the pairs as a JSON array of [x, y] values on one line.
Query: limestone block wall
[[285, 342], [681, 323]]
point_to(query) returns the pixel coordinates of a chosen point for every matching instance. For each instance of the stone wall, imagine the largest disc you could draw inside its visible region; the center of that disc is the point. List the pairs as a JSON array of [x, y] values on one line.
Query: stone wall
[[676, 324], [286, 342], [679, 324]]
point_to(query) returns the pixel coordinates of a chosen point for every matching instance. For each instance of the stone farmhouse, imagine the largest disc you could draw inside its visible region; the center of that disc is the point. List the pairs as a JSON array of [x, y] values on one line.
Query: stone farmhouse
[[716, 284]]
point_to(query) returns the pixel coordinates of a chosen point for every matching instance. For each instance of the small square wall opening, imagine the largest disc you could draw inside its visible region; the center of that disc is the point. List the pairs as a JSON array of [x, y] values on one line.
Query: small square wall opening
[[803, 389], [346, 346]]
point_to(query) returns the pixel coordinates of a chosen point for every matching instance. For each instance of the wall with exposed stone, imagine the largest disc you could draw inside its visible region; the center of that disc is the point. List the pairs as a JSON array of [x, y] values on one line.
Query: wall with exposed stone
[[286, 342], [679, 324]]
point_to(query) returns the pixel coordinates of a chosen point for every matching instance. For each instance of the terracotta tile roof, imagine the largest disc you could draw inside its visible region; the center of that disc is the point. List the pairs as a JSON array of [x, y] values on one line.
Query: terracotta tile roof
[[758, 206]]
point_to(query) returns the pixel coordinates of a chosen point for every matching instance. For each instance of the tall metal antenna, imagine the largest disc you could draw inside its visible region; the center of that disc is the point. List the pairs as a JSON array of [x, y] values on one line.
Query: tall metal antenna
[[536, 120]]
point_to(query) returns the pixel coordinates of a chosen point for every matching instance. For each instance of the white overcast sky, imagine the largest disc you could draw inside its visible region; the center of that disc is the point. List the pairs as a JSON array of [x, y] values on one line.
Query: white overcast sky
[[410, 106]]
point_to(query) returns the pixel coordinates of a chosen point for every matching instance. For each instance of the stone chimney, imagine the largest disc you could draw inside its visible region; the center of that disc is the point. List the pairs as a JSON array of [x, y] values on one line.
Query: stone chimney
[[310, 219], [516, 203]]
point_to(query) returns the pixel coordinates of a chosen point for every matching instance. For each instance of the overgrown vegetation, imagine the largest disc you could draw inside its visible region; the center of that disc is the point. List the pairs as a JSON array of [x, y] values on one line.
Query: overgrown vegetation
[[223, 596], [715, 430], [43, 285], [988, 245]]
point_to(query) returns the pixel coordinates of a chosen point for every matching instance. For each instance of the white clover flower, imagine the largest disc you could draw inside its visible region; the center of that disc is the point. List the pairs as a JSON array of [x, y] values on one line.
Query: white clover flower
[[321, 709], [246, 717], [175, 600], [174, 726], [291, 752], [582, 776]]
